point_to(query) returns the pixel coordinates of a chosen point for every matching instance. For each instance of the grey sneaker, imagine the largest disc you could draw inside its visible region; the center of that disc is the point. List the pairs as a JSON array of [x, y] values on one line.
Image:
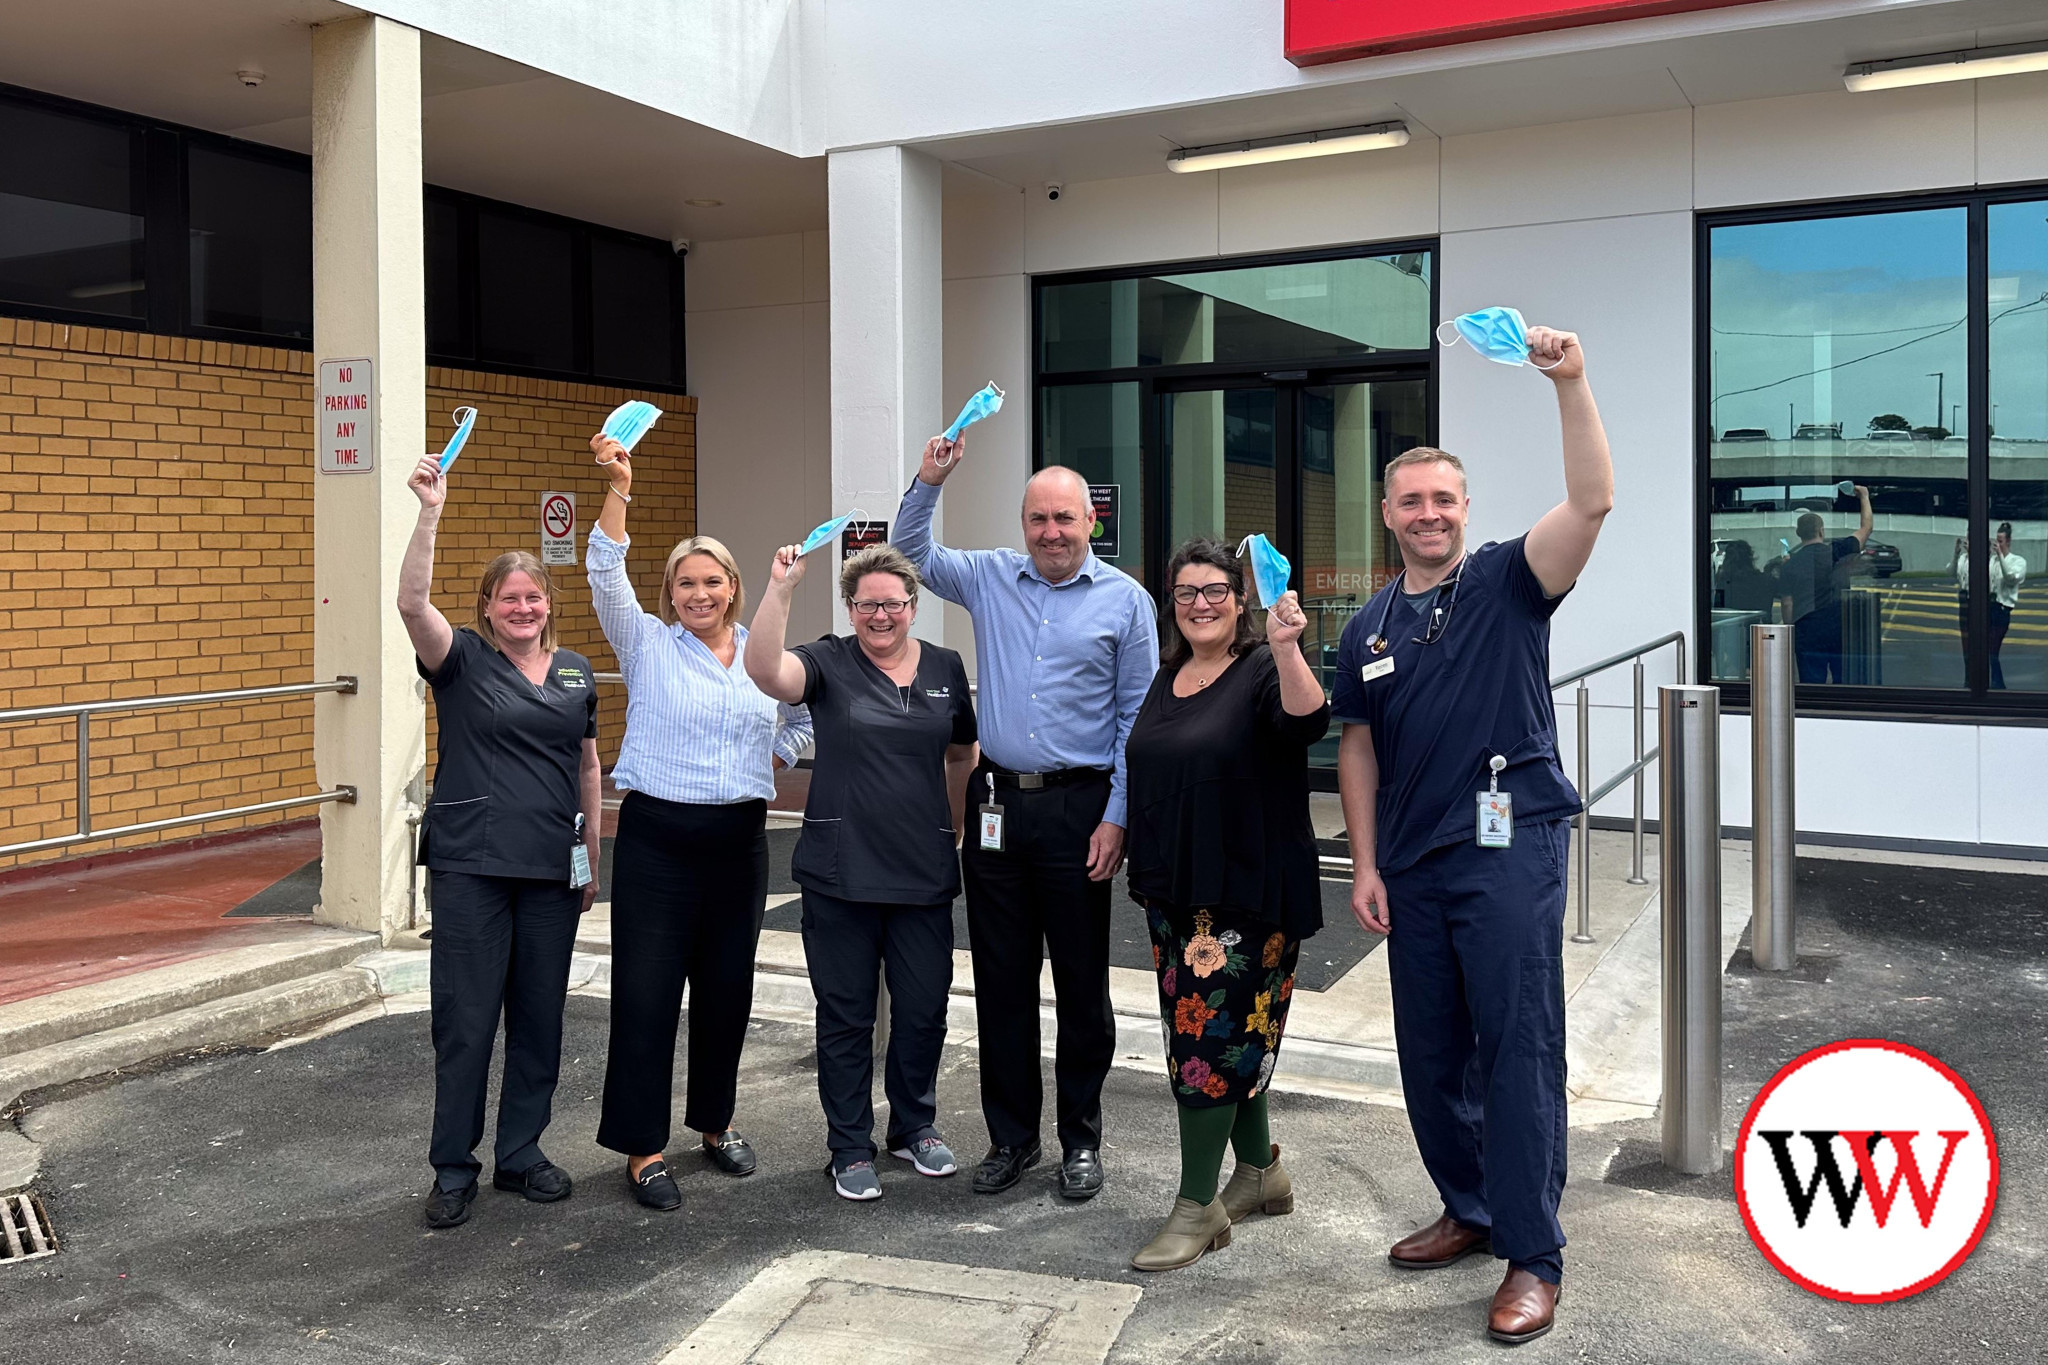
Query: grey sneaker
[[857, 1181], [928, 1155]]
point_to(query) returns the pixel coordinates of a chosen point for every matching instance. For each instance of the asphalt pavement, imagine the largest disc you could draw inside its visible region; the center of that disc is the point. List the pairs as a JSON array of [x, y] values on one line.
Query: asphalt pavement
[[265, 1205]]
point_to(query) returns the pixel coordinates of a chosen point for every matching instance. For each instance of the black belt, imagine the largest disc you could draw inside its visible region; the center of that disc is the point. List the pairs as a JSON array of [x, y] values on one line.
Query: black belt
[[1058, 777]]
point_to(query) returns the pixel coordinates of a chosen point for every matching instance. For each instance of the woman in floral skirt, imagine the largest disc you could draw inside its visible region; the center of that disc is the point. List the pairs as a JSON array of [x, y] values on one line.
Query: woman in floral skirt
[[1223, 858]]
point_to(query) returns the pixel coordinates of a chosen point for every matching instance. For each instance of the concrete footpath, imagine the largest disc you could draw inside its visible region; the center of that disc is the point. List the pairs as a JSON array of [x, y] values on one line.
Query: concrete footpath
[[263, 1204]]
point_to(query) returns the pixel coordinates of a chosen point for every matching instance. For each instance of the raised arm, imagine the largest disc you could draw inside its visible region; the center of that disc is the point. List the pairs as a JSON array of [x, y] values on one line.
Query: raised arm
[[1867, 519], [1300, 694], [626, 627], [1559, 545], [432, 636], [947, 572], [776, 671]]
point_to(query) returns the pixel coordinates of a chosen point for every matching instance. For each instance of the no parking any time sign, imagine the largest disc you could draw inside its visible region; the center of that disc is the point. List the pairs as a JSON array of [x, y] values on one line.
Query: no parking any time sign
[[558, 528], [346, 417]]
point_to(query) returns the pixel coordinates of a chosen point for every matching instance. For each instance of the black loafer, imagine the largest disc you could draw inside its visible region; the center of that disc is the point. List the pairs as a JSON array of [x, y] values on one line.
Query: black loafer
[[1005, 1166], [543, 1182], [450, 1208], [1081, 1174], [655, 1187], [730, 1153]]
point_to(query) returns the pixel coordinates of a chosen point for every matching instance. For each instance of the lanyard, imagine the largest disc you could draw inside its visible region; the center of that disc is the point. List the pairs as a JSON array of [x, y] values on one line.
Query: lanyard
[[1378, 642]]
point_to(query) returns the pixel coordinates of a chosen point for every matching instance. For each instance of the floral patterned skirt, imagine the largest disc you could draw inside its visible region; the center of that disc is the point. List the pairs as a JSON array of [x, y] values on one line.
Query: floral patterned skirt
[[1225, 981]]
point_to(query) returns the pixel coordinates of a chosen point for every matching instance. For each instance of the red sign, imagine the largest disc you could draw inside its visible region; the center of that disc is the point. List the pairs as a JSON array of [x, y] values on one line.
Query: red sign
[[1338, 30]]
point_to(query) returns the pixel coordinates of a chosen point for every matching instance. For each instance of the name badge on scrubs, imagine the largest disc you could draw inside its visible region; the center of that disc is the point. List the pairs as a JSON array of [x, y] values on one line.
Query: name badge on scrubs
[[991, 821], [1368, 672], [1496, 811], [579, 859]]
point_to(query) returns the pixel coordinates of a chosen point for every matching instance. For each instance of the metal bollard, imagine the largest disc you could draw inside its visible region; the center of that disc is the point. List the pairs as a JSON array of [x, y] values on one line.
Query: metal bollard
[[1688, 735], [1773, 914]]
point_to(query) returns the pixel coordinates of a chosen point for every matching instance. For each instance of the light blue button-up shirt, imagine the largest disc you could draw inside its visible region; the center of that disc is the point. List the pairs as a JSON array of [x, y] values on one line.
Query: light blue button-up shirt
[[1063, 667], [697, 731]]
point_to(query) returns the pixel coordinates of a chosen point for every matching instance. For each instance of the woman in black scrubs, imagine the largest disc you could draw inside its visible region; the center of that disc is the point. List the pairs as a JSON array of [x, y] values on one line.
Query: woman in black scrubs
[[510, 845], [1223, 858], [876, 861]]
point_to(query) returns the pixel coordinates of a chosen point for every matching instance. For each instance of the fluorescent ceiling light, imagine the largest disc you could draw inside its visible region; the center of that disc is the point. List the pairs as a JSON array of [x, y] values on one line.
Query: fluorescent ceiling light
[[1293, 147], [1968, 65]]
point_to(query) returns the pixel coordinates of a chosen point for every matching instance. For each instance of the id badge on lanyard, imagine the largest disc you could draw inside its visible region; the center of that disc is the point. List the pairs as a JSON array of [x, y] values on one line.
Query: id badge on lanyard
[[579, 858], [991, 820], [1496, 811]]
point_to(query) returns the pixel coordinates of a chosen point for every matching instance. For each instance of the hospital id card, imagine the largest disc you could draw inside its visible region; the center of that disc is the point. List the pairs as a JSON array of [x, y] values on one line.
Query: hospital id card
[[1496, 819], [579, 866], [991, 828]]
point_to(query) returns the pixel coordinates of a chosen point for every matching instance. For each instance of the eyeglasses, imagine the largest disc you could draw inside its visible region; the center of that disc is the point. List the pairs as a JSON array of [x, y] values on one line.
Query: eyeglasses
[[894, 606], [1212, 593]]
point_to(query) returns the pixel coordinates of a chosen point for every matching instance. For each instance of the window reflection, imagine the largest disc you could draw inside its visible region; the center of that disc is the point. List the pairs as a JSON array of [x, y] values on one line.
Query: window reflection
[[250, 239], [1094, 428], [2013, 543], [70, 213], [1839, 362]]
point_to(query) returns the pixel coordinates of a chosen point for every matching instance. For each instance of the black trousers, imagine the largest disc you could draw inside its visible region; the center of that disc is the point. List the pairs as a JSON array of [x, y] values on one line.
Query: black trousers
[[847, 944], [688, 886], [1028, 902], [501, 946]]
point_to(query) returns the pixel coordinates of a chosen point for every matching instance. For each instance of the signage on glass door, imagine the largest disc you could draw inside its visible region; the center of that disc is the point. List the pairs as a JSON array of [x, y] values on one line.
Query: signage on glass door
[[1338, 30], [1106, 497]]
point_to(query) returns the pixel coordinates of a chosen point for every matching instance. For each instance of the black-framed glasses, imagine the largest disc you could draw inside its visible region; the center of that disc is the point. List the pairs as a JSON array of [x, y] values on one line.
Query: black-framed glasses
[[889, 606], [1213, 593]]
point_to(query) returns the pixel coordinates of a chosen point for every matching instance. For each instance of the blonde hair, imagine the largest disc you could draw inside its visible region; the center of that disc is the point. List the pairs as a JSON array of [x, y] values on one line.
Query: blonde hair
[[495, 574], [701, 545], [878, 559]]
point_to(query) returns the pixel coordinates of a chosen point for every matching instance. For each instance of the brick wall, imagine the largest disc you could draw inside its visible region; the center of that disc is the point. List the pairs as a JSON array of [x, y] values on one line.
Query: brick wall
[[155, 535]]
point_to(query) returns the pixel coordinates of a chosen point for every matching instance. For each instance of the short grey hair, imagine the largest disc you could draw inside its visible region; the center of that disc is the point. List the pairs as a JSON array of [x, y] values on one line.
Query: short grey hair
[[1424, 455], [878, 559]]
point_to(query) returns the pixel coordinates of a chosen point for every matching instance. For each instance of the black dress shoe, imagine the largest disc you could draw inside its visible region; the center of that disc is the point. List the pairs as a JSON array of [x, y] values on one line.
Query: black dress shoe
[[1005, 1166], [655, 1187], [450, 1208], [543, 1182], [730, 1153], [1081, 1174]]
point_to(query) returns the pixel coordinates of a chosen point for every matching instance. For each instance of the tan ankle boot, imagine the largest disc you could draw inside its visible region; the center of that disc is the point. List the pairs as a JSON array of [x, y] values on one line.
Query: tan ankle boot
[[1189, 1230], [1252, 1190]]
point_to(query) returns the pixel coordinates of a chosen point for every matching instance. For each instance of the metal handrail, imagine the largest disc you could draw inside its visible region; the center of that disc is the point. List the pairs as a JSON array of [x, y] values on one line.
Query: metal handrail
[[84, 711], [1584, 815]]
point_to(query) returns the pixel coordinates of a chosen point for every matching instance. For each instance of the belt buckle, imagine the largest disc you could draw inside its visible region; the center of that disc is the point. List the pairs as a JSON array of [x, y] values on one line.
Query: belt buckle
[[1030, 782]]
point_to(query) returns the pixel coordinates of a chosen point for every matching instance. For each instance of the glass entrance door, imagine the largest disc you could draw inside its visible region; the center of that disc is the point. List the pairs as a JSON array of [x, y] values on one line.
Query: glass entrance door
[[1300, 461]]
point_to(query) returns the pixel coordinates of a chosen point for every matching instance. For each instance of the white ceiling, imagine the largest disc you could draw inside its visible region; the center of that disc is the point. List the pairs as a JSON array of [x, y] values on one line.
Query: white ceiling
[[491, 126]]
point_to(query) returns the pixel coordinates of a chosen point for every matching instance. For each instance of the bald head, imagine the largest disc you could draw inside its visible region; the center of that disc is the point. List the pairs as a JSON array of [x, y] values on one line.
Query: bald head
[[1059, 519]]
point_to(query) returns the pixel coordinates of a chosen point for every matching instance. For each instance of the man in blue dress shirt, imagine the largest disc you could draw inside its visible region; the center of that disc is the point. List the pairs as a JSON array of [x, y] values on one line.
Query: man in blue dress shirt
[[1459, 814], [1065, 649]]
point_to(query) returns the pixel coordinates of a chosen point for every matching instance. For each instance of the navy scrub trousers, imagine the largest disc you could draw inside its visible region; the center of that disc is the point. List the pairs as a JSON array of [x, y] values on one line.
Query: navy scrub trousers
[[1475, 959]]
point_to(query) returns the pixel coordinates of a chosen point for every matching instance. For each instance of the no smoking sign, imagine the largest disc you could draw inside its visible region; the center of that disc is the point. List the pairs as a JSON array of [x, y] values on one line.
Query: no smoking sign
[[558, 528]]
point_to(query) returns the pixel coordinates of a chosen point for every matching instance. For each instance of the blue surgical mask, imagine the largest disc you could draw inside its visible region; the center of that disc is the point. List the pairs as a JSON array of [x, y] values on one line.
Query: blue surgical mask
[[986, 403], [1270, 569], [630, 421], [1499, 334], [829, 531], [465, 422]]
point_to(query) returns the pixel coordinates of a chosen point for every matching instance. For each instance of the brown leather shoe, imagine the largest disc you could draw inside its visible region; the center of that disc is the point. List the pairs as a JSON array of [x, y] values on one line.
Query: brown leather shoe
[[1444, 1242], [1523, 1308]]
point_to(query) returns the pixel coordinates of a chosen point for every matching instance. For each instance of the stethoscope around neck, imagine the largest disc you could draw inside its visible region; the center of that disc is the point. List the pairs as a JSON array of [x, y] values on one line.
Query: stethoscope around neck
[[1439, 615]]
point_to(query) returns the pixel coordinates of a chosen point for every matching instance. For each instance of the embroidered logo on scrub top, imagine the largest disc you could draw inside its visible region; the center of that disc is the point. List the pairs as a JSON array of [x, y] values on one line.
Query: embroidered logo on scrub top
[[938, 691], [572, 677]]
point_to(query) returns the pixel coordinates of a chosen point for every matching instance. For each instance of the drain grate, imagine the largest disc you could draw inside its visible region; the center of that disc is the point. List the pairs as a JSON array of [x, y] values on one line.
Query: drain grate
[[25, 1231]]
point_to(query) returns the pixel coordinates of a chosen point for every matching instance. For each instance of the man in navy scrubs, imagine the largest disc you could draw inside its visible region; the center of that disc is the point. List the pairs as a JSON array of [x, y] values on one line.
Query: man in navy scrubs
[[1459, 814]]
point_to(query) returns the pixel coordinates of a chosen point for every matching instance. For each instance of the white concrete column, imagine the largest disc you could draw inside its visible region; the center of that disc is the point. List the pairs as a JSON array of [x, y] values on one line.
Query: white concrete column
[[369, 302], [887, 330]]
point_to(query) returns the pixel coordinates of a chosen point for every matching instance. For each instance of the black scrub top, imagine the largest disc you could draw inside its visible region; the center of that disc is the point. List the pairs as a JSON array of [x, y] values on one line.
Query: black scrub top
[[1447, 708], [1219, 798], [508, 757], [877, 825]]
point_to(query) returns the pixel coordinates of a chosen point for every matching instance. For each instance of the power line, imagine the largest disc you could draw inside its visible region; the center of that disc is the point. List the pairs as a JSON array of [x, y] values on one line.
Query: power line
[[1857, 360]]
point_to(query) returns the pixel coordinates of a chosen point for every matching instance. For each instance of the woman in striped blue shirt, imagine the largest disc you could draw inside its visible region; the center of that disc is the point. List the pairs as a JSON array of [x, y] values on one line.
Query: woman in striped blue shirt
[[690, 868]]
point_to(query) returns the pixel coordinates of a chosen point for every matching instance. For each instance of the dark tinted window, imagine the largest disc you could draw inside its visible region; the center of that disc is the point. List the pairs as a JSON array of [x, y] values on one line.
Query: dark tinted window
[[525, 292], [70, 213], [251, 240], [447, 319], [632, 310]]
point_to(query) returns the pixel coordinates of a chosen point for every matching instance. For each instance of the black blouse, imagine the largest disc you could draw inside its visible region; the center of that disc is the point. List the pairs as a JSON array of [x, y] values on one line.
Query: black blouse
[[1219, 798], [509, 762]]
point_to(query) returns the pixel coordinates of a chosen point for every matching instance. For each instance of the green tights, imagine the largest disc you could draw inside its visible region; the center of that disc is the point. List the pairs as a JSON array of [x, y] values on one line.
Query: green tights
[[1205, 1132]]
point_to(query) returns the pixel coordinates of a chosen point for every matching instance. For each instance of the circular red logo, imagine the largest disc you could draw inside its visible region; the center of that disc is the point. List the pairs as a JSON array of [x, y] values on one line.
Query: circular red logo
[[1866, 1171]]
